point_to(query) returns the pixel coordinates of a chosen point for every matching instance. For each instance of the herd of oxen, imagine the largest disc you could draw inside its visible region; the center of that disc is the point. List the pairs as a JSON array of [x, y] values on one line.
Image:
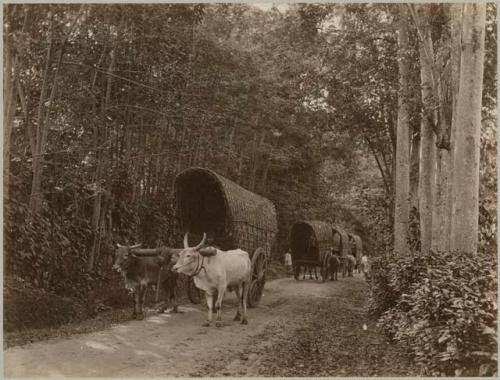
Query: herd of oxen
[[214, 271], [336, 264]]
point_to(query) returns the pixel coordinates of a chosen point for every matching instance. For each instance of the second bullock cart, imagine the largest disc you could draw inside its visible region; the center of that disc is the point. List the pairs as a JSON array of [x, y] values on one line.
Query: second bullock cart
[[310, 245], [231, 216], [341, 247], [356, 245]]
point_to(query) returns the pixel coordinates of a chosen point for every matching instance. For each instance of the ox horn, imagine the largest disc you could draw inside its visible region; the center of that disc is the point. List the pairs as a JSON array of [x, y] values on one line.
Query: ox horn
[[135, 246], [186, 245], [119, 245], [202, 242]]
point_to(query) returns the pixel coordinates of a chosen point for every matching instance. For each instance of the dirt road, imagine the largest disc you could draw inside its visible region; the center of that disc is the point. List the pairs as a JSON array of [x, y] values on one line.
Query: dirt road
[[178, 345]]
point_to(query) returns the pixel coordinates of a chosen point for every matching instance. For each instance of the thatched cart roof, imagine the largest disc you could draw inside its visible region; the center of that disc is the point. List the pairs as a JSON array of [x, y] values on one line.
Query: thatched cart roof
[[204, 197], [309, 240], [357, 245], [340, 240]]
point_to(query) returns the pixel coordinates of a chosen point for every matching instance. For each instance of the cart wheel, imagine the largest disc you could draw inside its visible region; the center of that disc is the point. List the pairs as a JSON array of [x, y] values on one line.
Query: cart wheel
[[258, 277], [324, 268], [194, 294]]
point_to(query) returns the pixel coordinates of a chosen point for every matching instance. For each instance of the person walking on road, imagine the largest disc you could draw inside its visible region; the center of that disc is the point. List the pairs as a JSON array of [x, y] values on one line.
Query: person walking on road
[[365, 266], [288, 262]]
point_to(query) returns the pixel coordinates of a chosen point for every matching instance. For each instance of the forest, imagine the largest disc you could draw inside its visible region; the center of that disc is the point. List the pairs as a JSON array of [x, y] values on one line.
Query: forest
[[377, 117]]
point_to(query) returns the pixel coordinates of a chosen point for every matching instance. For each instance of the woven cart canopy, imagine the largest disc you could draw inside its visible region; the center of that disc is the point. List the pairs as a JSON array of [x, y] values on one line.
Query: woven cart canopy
[[340, 241], [356, 246], [310, 240], [232, 216]]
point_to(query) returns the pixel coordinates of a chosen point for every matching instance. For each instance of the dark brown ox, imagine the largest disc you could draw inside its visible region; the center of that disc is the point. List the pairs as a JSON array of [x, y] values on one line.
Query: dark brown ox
[[142, 268], [348, 265], [333, 266]]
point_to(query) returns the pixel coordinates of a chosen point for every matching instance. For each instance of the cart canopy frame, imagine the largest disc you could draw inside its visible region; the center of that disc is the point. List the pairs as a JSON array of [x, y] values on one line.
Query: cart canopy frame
[[310, 241], [232, 216]]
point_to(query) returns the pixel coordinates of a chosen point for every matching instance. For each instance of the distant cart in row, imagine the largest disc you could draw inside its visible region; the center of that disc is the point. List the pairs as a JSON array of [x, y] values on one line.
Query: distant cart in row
[[312, 242]]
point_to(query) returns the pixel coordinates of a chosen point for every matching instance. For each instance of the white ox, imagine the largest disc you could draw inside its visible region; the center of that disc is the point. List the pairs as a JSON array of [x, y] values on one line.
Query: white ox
[[214, 271]]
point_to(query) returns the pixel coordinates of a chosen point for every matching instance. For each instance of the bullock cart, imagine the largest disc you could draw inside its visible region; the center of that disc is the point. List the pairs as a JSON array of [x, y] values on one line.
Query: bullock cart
[[356, 245], [341, 247], [310, 246], [231, 216]]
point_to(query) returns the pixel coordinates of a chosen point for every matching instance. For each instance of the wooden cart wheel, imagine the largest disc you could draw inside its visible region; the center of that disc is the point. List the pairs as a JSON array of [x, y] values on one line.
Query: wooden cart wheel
[[194, 294], [258, 277], [324, 268]]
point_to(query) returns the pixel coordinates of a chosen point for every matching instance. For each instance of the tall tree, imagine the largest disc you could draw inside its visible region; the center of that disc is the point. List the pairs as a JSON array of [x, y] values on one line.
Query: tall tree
[[46, 102], [465, 194], [11, 89], [402, 176], [427, 166]]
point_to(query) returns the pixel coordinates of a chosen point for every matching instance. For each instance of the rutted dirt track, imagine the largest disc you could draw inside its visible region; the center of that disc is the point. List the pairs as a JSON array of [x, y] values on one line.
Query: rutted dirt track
[[291, 333]]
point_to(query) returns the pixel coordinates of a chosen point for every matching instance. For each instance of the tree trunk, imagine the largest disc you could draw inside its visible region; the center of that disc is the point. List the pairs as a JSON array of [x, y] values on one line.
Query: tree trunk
[[441, 211], [414, 169], [12, 88], [241, 163], [256, 160], [44, 112], [465, 202], [36, 184], [25, 105], [456, 11], [9, 105], [444, 162], [97, 218], [402, 176], [384, 173], [265, 171], [427, 171]]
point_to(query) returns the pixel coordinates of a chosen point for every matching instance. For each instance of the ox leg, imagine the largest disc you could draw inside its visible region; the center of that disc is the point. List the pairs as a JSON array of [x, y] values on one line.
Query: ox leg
[[172, 292], [218, 306], [210, 303], [142, 298], [163, 304], [237, 317], [173, 300], [244, 296], [136, 302]]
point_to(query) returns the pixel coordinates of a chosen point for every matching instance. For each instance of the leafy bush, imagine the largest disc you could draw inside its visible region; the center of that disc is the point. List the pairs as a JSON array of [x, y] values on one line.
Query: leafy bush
[[442, 306], [48, 252], [158, 226], [26, 306]]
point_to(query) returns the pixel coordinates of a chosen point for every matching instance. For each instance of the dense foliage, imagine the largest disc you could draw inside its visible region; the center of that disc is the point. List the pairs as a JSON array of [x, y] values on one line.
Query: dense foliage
[[122, 117], [442, 306]]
